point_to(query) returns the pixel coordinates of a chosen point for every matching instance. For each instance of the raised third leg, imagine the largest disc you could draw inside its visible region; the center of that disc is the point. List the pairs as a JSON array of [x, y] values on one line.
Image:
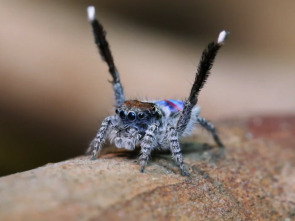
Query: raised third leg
[[105, 52]]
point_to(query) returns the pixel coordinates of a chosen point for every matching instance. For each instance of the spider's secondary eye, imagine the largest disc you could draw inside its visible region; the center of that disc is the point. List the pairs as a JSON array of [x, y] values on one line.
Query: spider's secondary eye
[[117, 111], [141, 115], [122, 114], [131, 116]]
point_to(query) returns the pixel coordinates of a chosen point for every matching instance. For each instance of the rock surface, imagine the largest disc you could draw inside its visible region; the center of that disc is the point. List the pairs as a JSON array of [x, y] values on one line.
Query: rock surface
[[254, 179]]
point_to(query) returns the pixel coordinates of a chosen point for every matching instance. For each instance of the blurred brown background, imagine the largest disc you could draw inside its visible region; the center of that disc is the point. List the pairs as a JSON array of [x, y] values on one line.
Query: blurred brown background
[[54, 88]]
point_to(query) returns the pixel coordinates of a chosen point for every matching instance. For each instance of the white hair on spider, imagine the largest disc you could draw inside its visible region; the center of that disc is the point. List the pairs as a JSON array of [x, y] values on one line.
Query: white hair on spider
[[91, 13], [222, 36]]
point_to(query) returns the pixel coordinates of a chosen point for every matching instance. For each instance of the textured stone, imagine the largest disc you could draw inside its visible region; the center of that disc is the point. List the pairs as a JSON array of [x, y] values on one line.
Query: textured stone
[[253, 179]]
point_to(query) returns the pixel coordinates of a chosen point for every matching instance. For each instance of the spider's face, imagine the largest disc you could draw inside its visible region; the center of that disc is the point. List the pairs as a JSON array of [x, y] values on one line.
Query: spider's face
[[135, 112]]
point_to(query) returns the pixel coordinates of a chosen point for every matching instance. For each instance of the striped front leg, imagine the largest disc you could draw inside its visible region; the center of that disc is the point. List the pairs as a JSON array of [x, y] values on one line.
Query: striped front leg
[[100, 137], [147, 144], [176, 151]]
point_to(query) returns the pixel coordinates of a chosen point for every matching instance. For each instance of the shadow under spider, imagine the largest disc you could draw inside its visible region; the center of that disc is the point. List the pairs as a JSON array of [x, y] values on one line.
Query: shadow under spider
[[195, 152], [190, 150]]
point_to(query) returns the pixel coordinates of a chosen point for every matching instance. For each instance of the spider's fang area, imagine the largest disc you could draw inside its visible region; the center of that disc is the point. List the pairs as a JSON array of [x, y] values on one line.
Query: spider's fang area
[[91, 13]]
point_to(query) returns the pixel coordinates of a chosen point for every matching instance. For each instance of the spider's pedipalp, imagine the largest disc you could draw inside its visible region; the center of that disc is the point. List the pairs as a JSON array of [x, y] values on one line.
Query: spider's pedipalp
[[105, 52]]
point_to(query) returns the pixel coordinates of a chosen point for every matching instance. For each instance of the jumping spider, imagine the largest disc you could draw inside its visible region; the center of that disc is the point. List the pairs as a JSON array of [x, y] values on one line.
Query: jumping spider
[[152, 124]]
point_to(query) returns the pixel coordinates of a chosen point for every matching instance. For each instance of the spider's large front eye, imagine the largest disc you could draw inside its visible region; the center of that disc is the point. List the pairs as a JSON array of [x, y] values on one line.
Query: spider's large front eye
[[141, 115], [131, 116], [122, 114]]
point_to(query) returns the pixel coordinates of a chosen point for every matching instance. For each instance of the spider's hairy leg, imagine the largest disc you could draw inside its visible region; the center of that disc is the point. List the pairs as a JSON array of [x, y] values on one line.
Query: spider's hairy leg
[[105, 52], [203, 72], [147, 144], [211, 128], [99, 139], [176, 151]]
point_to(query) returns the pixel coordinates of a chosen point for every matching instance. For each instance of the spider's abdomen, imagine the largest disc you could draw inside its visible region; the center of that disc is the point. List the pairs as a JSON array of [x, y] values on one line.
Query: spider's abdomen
[[173, 105]]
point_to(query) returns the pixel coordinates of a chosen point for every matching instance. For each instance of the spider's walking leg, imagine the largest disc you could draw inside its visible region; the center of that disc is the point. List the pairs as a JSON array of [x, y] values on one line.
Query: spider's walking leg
[[147, 144], [100, 137], [176, 151], [211, 128], [105, 52], [203, 72]]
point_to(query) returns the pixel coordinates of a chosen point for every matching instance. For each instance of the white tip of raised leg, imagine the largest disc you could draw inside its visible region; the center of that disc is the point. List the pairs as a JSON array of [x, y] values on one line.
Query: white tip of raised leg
[[222, 36], [91, 13]]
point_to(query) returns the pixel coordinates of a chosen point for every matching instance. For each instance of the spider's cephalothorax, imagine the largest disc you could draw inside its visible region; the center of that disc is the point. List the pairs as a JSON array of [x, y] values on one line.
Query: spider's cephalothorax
[[138, 114], [152, 124]]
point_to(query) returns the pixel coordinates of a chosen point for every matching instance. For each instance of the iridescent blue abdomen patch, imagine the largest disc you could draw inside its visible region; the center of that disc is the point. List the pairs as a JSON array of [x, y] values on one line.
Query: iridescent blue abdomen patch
[[173, 105]]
